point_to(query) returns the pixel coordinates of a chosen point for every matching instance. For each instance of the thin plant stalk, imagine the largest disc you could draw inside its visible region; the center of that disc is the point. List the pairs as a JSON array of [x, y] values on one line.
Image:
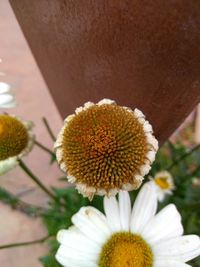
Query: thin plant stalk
[[44, 148], [17, 203], [14, 245], [25, 168], [184, 156], [49, 129], [195, 172]]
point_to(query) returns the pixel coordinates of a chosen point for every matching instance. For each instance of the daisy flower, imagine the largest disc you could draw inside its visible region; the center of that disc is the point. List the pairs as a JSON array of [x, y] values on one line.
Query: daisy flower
[[127, 238], [104, 147], [163, 183], [16, 140], [6, 98]]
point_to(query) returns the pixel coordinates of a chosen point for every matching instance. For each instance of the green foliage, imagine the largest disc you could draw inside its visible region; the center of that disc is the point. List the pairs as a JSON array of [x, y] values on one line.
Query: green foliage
[[8, 198]]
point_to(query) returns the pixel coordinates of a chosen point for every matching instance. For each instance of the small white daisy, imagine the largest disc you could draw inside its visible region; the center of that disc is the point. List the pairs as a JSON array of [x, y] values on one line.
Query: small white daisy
[[104, 147], [16, 140], [6, 98], [163, 183], [126, 237]]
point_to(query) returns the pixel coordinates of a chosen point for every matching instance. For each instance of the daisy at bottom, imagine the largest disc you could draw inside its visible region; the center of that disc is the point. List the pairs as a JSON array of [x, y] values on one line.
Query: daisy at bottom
[[127, 237]]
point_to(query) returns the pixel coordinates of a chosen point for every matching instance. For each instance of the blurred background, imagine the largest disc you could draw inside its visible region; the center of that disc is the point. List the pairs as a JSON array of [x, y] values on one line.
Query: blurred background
[[19, 70]]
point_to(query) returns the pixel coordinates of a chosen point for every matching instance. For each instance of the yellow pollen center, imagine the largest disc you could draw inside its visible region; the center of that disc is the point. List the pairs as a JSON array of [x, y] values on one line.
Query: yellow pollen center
[[126, 250], [13, 137], [104, 146], [162, 182]]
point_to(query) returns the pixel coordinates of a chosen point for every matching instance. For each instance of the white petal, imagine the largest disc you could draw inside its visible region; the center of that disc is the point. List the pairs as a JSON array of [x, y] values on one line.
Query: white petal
[[101, 192], [111, 209], [112, 192], [144, 208], [129, 110], [124, 210], [8, 164], [6, 99], [152, 140], [73, 262], [138, 113], [4, 87], [139, 178], [68, 119], [151, 156], [169, 263], [88, 105], [92, 223], [160, 195], [141, 120], [106, 101], [59, 139], [86, 191], [11, 104], [59, 154], [70, 178], [77, 240], [129, 187], [147, 127], [78, 110], [183, 248], [144, 169], [73, 253], [74, 243], [166, 224]]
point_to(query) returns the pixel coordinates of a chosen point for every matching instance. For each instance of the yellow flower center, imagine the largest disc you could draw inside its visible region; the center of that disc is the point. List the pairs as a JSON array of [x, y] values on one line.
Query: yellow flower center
[[104, 146], [126, 250], [162, 182], [13, 137]]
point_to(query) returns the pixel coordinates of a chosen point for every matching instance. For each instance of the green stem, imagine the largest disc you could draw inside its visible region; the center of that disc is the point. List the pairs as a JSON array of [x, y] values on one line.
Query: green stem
[[49, 129], [176, 162], [36, 180], [195, 171], [13, 245], [44, 148], [12, 200]]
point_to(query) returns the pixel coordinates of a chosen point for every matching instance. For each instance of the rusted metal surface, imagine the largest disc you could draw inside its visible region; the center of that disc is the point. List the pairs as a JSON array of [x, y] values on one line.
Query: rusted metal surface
[[143, 54]]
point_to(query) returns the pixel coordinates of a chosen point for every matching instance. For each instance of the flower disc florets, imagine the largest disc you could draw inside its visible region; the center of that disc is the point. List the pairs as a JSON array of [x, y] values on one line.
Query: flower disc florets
[[127, 250], [13, 137], [106, 147], [16, 140]]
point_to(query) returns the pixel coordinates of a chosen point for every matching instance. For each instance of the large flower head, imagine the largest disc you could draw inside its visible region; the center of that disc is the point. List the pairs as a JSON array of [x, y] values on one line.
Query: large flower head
[[104, 147], [163, 183], [16, 140], [126, 237], [6, 98]]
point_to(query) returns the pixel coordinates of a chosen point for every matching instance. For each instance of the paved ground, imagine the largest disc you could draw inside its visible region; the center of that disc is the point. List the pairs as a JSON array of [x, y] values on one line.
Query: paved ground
[[34, 102]]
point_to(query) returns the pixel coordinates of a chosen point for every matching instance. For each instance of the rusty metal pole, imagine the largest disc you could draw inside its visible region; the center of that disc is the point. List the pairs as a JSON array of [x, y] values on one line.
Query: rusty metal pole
[[143, 54]]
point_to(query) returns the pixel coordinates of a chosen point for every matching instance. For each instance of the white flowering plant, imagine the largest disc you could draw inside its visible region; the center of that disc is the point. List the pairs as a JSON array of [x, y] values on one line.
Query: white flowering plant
[[148, 217]]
